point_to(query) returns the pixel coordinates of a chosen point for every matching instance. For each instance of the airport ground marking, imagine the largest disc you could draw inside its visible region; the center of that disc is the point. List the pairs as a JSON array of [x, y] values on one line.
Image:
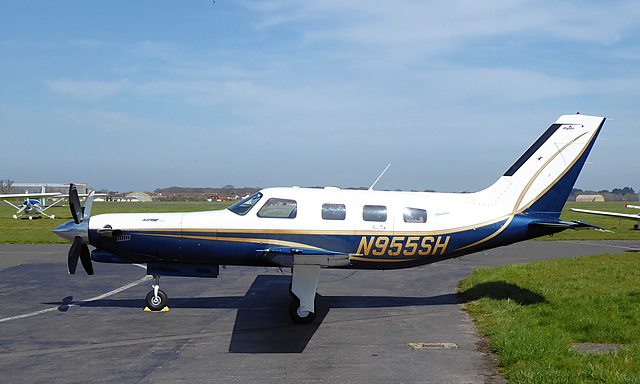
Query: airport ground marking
[[79, 303]]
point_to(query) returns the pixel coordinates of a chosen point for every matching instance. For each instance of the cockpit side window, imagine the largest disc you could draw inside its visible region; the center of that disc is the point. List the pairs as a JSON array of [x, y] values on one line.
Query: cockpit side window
[[414, 215], [242, 207], [279, 208]]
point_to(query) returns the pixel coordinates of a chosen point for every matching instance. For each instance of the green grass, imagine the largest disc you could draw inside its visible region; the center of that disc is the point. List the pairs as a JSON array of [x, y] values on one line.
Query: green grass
[[38, 230], [532, 313]]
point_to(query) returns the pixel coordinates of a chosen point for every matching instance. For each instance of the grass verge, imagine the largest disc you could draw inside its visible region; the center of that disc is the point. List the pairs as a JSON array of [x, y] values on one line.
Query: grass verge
[[533, 313]]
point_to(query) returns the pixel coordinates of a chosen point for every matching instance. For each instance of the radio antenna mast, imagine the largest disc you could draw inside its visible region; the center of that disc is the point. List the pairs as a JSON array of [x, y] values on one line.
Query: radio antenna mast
[[374, 183]]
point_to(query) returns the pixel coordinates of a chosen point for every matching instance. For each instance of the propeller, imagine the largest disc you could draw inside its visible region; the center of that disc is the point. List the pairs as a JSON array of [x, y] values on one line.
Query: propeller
[[74, 202], [79, 248]]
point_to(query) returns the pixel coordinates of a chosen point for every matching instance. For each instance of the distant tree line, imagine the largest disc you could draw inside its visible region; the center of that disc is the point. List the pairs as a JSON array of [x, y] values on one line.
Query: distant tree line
[[202, 193], [5, 185], [226, 190]]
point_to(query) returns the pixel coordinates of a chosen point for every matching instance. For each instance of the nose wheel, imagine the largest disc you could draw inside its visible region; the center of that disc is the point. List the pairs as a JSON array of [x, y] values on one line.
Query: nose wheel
[[156, 299]]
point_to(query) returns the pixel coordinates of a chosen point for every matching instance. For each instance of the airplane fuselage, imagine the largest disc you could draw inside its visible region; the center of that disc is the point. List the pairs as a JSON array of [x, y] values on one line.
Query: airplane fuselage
[[377, 229], [32, 206]]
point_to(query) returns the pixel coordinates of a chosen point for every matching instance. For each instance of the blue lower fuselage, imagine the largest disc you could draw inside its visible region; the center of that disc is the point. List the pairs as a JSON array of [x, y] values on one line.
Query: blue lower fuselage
[[366, 249]]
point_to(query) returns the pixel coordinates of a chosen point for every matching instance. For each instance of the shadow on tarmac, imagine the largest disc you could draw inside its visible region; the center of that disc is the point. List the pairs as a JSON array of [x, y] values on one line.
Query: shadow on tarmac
[[262, 323]]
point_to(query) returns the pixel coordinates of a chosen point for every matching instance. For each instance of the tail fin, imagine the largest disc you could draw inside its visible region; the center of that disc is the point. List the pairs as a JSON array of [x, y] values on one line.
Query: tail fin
[[540, 181]]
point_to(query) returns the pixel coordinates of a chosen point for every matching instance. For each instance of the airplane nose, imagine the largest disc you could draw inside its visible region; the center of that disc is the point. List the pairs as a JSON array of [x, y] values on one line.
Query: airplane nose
[[70, 230]]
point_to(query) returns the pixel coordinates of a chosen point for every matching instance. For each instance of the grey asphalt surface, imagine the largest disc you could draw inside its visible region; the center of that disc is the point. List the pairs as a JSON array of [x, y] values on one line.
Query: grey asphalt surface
[[401, 326]]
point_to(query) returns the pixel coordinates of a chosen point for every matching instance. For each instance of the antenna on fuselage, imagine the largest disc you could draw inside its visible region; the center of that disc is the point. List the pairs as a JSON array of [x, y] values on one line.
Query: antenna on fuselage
[[374, 183]]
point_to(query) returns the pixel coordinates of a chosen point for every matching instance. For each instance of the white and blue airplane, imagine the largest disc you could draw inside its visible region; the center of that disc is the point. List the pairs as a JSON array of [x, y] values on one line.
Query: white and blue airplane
[[311, 229], [33, 203]]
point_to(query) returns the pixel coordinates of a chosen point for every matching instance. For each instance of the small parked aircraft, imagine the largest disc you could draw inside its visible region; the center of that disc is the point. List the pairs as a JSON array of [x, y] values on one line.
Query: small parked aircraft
[[309, 229], [33, 203], [627, 216]]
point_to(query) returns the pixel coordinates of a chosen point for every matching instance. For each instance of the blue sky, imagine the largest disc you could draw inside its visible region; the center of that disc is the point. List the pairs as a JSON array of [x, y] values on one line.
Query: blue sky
[[147, 94]]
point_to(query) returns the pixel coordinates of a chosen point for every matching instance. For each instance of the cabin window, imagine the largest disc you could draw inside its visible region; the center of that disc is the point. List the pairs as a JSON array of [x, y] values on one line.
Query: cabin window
[[279, 208], [242, 207], [334, 211], [374, 213], [414, 215]]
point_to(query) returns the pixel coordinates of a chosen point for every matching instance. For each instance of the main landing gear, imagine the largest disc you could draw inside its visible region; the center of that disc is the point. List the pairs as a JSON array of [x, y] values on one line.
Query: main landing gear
[[156, 299], [303, 287]]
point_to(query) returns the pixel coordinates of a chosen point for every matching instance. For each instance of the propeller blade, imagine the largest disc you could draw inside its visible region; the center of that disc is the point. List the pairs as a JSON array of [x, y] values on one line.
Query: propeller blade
[[74, 254], [86, 206], [85, 258], [74, 204]]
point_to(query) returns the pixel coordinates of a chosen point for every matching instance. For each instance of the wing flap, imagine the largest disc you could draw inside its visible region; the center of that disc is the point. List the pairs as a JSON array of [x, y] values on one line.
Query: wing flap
[[289, 256]]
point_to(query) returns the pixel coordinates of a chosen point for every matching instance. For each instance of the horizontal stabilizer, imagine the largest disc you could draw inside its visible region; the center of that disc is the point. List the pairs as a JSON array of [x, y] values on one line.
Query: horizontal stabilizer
[[575, 224]]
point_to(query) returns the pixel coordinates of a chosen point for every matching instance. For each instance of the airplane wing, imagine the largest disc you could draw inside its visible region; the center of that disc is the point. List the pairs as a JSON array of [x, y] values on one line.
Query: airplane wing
[[289, 256], [612, 214], [28, 195], [305, 266], [82, 194], [43, 194]]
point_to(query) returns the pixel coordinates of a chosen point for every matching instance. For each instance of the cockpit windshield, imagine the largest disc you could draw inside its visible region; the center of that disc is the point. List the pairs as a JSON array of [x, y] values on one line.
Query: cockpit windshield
[[242, 207]]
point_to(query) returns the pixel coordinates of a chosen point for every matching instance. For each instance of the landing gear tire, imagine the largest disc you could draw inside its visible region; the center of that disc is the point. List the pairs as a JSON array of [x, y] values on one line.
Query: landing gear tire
[[297, 316], [156, 303]]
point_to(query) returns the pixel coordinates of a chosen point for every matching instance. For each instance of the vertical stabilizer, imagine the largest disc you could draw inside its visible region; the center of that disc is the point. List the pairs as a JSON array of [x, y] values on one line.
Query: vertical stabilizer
[[540, 181]]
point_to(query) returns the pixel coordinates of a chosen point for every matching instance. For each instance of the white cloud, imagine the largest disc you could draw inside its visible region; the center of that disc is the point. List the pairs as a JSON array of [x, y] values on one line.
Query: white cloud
[[427, 26]]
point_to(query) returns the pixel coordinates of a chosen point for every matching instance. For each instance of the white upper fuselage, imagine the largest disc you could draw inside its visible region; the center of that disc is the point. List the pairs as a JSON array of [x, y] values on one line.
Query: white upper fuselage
[[444, 212]]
